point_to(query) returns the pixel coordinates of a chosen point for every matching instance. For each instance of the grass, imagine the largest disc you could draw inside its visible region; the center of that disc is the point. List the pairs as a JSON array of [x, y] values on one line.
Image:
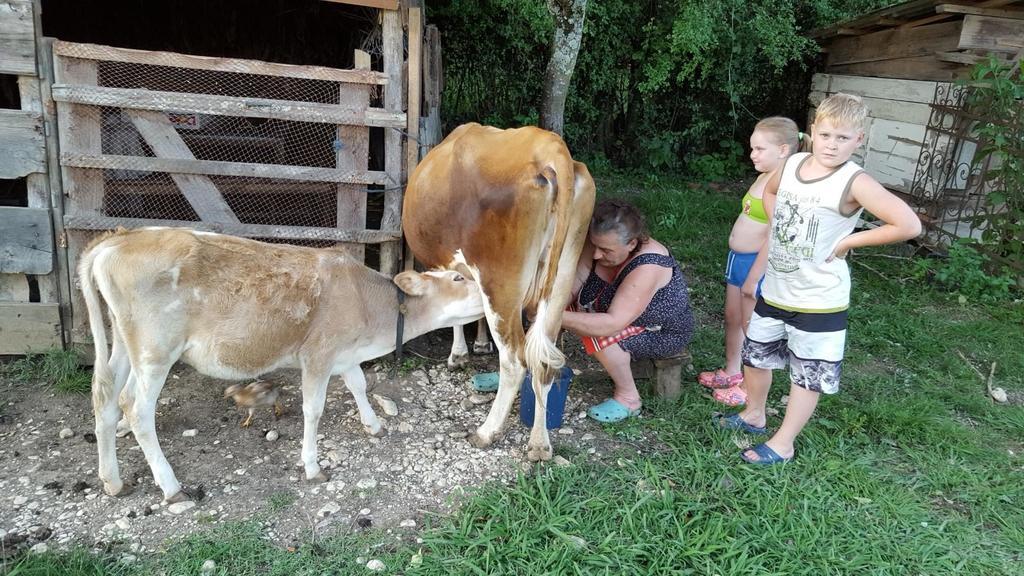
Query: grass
[[911, 469], [61, 369]]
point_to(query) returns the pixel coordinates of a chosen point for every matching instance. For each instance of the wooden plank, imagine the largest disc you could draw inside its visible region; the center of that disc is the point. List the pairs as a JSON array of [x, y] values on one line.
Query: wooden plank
[[79, 127], [977, 11], [58, 287], [393, 56], [17, 41], [821, 82], [414, 69], [111, 54], [29, 327], [80, 133], [244, 230], [21, 140], [353, 155], [26, 240], [165, 142], [900, 11], [382, 4], [226, 105], [14, 288], [992, 34], [888, 89], [221, 168], [922, 68], [37, 183], [893, 151], [896, 43], [913, 112]]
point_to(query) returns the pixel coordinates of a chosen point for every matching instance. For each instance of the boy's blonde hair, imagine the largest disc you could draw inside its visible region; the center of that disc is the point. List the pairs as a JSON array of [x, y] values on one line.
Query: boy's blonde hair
[[782, 130], [844, 110]]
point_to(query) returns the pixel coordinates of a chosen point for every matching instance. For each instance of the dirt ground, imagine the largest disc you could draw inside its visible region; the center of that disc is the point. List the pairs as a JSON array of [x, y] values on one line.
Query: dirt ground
[[51, 497]]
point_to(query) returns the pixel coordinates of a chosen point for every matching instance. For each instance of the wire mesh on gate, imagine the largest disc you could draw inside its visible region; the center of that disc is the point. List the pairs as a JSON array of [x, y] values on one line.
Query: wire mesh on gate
[[131, 191]]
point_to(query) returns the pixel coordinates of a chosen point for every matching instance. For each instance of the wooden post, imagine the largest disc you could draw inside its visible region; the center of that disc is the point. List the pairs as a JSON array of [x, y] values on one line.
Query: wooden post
[[79, 133], [61, 279], [393, 52], [353, 147]]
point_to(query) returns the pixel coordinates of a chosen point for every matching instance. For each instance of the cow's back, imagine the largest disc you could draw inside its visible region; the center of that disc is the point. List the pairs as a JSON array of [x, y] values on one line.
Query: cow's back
[[479, 190]]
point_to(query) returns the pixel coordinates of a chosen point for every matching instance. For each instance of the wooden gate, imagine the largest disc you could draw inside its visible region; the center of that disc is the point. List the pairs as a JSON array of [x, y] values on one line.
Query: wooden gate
[[271, 151]]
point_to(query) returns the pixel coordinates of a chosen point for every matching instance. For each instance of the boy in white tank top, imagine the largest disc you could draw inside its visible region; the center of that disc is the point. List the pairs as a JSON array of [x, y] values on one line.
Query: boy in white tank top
[[800, 318]]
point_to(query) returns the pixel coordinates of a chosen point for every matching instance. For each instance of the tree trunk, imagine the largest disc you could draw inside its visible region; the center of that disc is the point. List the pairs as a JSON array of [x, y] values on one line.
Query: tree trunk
[[569, 16]]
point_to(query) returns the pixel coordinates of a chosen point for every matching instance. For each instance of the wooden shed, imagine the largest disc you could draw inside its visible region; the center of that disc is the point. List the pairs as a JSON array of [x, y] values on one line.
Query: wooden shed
[[101, 135], [904, 61]]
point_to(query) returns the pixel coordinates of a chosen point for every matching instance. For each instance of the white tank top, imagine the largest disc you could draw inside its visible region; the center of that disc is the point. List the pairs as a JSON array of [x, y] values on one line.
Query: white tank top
[[806, 226]]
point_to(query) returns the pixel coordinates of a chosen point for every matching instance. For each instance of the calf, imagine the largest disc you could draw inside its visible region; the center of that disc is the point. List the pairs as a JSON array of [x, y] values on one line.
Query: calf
[[234, 308]]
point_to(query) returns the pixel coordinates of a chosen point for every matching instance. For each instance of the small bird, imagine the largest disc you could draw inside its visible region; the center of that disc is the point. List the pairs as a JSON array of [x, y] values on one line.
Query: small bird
[[254, 395]]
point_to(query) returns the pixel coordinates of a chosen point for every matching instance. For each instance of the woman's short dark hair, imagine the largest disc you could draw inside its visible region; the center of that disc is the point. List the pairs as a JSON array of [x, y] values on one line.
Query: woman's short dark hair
[[622, 218]]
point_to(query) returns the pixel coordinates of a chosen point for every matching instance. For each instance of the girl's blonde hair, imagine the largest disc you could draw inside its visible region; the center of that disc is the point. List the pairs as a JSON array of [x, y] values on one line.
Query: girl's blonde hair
[[782, 130]]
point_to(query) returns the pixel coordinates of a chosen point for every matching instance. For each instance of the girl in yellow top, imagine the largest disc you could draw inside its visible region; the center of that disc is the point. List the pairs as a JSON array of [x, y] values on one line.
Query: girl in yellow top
[[772, 141]]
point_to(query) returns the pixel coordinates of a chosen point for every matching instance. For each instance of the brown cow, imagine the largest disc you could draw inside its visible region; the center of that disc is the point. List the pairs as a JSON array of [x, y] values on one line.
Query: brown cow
[[511, 209], [235, 308]]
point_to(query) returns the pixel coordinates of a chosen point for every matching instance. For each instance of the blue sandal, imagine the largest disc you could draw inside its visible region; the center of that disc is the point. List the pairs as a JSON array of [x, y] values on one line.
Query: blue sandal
[[765, 456], [734, 422], [611, 410]]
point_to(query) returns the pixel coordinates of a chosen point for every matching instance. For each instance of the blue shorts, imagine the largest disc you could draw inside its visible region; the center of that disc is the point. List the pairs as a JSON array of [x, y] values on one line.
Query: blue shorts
[[737, 268]]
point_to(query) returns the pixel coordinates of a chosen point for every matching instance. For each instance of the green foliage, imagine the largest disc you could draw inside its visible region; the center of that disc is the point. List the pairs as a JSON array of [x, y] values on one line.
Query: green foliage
[[718, 166], [966, 271], [656, 85], [60, 368], [997, 90]]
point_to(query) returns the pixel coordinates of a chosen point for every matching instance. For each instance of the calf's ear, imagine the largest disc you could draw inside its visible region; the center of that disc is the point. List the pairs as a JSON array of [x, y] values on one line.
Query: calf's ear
[[412, 283]]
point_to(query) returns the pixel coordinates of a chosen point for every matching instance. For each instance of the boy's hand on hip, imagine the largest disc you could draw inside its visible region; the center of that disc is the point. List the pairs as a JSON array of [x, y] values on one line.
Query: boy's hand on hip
[[840, 251]]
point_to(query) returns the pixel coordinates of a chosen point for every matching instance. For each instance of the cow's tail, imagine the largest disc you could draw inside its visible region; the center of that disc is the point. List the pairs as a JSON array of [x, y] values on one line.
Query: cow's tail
[[543, 357], [103, 378]]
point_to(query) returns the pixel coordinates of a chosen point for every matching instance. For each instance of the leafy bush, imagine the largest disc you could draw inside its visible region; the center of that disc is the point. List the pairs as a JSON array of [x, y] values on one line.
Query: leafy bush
[[997, 90], [967, 272], [657, 85]]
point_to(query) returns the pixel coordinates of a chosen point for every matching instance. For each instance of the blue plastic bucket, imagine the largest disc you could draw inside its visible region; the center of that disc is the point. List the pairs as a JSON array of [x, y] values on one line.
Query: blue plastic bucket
[[556, 399]]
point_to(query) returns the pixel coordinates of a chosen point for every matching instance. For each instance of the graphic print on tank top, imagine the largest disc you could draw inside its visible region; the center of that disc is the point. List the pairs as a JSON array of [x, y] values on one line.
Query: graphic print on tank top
[[795, 231]]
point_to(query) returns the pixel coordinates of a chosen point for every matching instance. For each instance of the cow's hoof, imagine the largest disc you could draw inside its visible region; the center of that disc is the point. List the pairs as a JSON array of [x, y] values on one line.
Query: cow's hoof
[[380, 432], [538, 453], [485, 348], [479, 440], [181, 496], [457, 361], [320, 478]]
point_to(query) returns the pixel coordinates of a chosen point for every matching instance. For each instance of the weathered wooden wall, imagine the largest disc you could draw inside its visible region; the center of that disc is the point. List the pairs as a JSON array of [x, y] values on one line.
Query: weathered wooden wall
[[30, 317]]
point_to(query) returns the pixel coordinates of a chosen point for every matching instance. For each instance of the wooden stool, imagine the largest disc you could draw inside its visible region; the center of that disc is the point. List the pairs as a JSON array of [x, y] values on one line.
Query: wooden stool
[[666, 373]]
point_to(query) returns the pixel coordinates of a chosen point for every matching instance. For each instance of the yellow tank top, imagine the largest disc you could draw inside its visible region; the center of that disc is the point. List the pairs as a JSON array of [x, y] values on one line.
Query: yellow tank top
[[754, 208]]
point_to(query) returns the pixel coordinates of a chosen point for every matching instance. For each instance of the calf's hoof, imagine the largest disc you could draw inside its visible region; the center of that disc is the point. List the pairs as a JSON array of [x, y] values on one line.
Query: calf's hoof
[[485, 348], [319, 478], [180, 496], [457, 361], [380, 431], [478, 440], [117, 488], [538, 453]]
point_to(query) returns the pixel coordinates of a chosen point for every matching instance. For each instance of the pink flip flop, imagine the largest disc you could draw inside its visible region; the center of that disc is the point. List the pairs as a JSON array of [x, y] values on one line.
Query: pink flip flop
[[719, 379], [734, 396]]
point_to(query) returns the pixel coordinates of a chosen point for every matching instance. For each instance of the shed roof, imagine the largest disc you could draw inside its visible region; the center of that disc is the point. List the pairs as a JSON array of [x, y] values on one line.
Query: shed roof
[[918, 13]]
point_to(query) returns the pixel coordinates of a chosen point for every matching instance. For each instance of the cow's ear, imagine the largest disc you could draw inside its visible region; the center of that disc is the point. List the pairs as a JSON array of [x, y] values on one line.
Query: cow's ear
[[412, 283]]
